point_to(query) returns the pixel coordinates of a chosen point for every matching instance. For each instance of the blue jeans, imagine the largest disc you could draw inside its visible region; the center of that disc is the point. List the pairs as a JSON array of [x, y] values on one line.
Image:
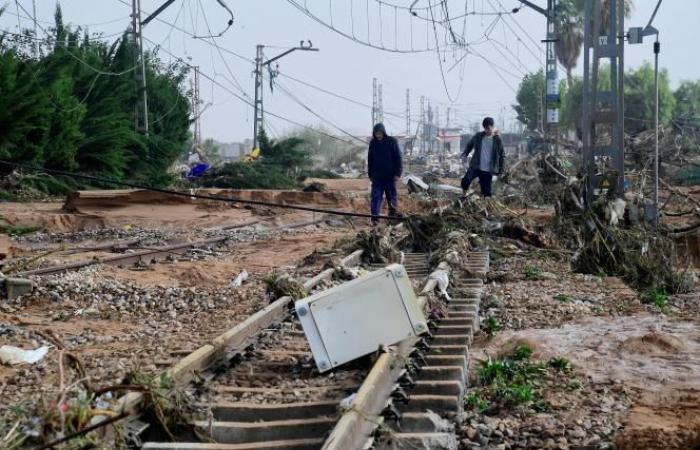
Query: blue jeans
[[484, 180], [379, 188]]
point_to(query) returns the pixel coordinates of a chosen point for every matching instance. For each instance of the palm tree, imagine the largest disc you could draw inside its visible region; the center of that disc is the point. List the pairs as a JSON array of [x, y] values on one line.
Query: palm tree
[[569, 45], [570, 40]]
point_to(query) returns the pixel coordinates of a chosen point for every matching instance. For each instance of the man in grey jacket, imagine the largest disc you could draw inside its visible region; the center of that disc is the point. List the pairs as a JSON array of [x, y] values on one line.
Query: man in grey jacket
[[487, 160]]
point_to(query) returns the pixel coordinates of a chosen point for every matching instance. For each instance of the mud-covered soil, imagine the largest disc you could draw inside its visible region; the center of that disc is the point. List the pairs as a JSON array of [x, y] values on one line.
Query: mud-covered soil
[[635, 379], [117, 320]]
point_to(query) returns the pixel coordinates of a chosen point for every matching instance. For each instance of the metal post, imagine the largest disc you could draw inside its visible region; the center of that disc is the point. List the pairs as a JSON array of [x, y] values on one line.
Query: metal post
[[430, 128], [552, 84], [375, 106], [422, 124], [197, 138], [36, 41], [603, 109], [380, 105], [258, 120], [657, 50], [437, 121], [258, 103], [144, 91], [408, 113], [134, 33]]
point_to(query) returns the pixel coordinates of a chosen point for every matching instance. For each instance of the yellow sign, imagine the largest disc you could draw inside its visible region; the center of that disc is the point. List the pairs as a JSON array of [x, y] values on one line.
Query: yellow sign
[[252, 156]]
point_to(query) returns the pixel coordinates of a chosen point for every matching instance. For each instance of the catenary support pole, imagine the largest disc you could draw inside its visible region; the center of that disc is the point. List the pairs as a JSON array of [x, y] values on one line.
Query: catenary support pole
[[657, 50]]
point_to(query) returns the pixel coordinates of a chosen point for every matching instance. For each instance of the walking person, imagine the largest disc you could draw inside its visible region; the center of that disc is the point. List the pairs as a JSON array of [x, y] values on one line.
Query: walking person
[[487, 160], [384, 170]]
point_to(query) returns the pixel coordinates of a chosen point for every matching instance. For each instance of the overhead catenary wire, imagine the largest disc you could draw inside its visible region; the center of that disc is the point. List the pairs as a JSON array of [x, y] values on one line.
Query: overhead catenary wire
[[228, 25], [368, 43], [188, 194], [307, 108], [247, 101]]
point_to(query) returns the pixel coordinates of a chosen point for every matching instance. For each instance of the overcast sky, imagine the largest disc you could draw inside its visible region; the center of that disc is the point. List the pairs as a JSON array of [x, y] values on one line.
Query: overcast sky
[[481, 83]]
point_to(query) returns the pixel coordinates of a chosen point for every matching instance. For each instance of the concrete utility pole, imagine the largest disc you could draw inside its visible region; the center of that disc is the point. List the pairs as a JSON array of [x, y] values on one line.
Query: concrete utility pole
[[447, 120], [196, 113], [437, 120], [421, 125], [260, 64], [380, 105], [375, 102], [258, 101], [408, 113], [552, 100], [429, 135], [36, 41], [140, 73], [603, 110]]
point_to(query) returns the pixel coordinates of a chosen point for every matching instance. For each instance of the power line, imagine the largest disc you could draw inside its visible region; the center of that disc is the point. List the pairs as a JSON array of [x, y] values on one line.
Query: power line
[[307, 108], [309, 14], [246, 100], [494, 67], [218, 48], [442, 70], [192, 195], [82, 61]]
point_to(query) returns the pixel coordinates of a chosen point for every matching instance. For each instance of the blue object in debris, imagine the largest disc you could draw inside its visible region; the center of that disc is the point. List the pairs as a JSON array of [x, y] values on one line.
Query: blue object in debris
[[198, 170]]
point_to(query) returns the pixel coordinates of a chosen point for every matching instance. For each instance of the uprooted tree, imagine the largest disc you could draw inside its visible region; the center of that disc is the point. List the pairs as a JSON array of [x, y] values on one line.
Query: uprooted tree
[[72, 108]]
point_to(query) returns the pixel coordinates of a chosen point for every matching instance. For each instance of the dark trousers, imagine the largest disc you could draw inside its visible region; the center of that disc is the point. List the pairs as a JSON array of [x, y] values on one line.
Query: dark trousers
[[484, 180], [379, 189]]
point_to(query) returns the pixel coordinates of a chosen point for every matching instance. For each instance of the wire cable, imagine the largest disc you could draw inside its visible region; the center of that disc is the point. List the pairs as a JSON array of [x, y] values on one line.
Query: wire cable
[[245, 100], [367, 43], [110, 181], [307, 108]]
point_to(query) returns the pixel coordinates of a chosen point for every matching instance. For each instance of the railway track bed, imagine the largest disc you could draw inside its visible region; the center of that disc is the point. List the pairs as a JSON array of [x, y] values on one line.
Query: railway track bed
[[266, 393]]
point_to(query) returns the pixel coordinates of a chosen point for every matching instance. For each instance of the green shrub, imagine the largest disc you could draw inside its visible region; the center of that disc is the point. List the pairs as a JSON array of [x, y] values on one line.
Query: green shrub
[[532, 273], [656, 297], [491, 326], [513, 380], [562, 298], [559, 363]]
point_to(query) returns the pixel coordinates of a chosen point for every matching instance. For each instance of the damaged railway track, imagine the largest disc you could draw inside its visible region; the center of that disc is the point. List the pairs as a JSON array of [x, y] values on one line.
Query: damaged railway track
[[262, 391], [140, 256]]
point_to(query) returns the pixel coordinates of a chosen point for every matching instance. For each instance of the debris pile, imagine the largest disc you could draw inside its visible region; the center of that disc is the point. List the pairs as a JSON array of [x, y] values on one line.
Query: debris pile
[[643, 257]]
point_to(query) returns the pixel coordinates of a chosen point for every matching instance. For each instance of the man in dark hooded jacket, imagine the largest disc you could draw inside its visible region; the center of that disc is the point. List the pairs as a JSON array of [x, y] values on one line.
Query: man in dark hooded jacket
[[384, 169]]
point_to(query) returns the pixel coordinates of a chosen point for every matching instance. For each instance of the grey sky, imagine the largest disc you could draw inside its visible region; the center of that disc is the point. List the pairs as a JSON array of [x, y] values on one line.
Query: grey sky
[[347, 68]]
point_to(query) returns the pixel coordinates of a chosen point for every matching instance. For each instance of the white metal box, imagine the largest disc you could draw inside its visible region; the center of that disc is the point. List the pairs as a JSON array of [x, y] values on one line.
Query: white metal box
[[356, 318]]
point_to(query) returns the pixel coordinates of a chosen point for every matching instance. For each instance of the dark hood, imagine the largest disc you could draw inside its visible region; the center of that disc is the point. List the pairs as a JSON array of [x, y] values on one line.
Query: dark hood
[[379, 127]]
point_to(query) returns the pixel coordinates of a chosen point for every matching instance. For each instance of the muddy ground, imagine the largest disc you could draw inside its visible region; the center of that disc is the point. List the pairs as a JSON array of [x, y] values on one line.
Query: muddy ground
[[635, 380], [117, 320], [635, 368]]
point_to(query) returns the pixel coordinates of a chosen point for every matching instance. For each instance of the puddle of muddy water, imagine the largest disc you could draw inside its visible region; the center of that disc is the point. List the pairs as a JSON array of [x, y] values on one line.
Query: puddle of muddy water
[[644, 351], [656, 358]]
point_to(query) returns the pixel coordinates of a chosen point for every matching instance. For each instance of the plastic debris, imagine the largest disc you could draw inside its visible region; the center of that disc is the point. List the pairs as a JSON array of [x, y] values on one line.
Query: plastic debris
[[443, 280], [14, 355], [347, 401], [415, 184], [238, 281]]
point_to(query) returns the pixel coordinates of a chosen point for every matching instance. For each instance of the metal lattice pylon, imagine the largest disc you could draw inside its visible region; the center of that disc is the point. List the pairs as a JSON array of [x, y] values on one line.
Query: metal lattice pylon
[[603, 99]]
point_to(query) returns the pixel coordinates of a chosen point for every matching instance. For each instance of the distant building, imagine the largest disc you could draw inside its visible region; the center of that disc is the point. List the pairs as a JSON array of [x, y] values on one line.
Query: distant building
[[233, 151]]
